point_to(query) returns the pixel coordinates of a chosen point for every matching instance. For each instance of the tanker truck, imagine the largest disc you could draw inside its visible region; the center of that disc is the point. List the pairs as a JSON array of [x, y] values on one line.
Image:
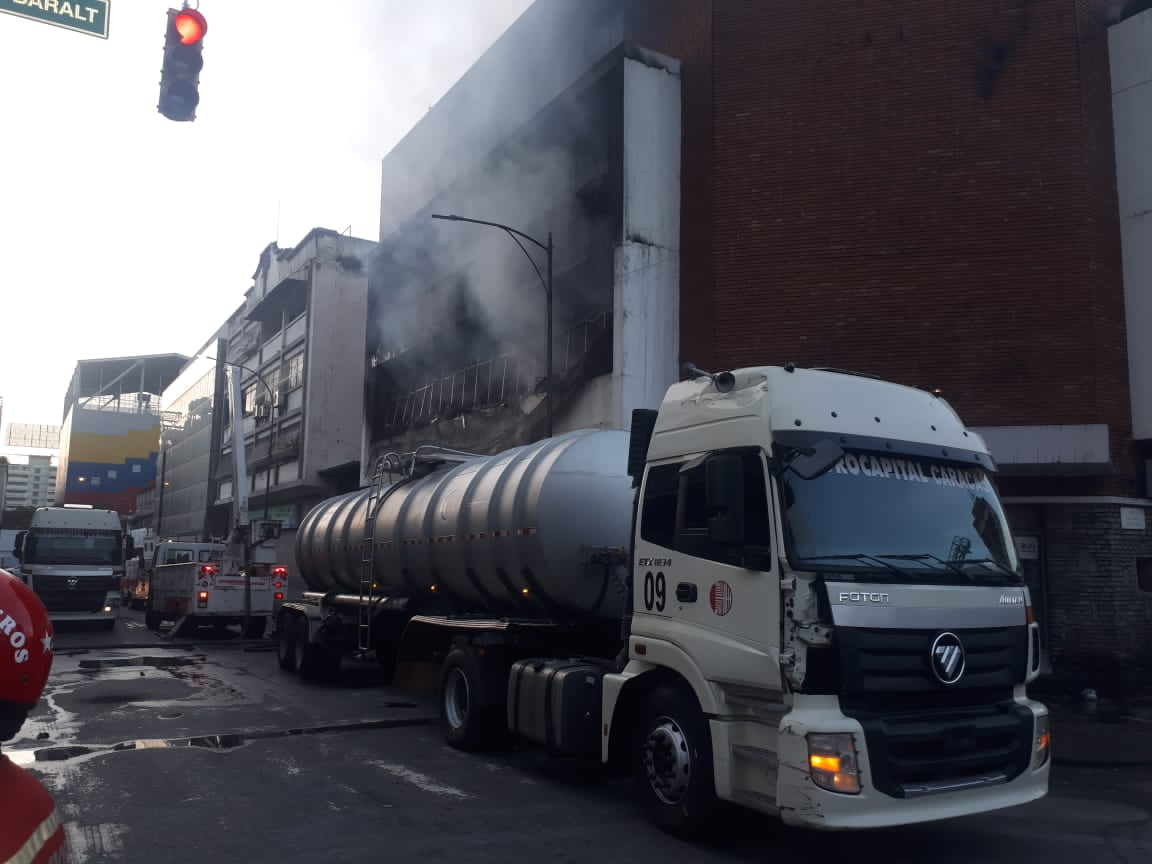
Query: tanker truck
[[792, 590]]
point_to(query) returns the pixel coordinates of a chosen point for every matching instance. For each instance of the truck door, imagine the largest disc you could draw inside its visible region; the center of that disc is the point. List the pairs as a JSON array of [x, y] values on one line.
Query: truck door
[[705, 569]]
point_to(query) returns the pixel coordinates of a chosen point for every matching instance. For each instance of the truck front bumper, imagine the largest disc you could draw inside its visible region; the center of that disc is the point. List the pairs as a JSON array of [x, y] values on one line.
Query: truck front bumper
[[110, 609], [771, 770]]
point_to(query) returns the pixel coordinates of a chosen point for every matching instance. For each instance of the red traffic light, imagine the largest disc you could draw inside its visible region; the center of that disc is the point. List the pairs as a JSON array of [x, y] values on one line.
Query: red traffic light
[[191, 26]]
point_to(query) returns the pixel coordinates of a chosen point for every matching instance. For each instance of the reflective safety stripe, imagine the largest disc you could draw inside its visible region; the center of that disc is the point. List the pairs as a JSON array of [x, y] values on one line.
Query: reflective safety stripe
[[35, 844]]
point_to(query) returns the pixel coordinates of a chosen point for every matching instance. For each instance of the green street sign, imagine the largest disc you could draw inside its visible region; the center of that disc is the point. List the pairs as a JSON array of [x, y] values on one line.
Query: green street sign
[[83, 16]]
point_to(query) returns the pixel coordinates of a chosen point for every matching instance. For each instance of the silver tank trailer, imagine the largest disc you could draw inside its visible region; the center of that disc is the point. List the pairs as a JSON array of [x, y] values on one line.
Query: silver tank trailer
[[486, 530]]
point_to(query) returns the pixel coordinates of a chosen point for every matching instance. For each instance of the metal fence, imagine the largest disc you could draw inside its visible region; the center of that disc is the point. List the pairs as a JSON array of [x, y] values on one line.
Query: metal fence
[[495, 382]]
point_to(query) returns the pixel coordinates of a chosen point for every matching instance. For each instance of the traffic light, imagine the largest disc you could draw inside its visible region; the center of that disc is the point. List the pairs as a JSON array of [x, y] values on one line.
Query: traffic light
[[183, 59]]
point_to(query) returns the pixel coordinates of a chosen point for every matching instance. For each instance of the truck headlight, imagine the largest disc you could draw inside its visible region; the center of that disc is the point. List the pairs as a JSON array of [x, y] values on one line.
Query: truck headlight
[[832, 762], [1042, 746]]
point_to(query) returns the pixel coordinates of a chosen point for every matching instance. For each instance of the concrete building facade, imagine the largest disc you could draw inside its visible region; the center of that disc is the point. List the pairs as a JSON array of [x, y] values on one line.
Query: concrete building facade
[[110, 437], [299, 342], [181, 499], [31, 482], [568, 128], [927, 195]]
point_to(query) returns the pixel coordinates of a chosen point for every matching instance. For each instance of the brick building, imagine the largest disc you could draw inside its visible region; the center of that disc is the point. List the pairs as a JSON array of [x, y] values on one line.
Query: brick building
[[927, 193]]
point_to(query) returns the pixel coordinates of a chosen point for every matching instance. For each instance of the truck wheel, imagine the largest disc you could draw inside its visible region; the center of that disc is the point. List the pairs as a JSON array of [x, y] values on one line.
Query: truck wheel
[[318, 662], [152, 619], [677, 787], [256, 627], [467, 715], [287, 651]]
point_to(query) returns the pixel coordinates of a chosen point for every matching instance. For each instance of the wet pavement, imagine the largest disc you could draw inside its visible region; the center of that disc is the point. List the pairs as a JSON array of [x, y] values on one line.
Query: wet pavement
[[194, 750]]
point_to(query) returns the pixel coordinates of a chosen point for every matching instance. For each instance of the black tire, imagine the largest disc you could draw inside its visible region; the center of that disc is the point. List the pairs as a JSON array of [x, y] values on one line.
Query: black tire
[[318, 662], [387, 651], [108, 626], [471, 714], [287, 653], [256, 627], [676, 786], [188, 628], [152, 620]]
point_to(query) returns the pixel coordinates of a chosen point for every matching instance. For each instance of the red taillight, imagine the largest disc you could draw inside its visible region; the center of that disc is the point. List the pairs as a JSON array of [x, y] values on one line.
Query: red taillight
[[280, 570], [279, 595], [203, 595], [278, 585], [202, 599], [207, 570]]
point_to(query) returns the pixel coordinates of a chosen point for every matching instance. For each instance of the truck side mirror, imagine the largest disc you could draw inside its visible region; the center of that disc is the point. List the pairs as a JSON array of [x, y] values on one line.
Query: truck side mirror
[[724, 498], [18, 549]]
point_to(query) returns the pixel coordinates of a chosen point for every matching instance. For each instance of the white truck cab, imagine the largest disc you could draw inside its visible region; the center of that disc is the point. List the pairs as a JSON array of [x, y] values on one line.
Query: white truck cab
[[73, 558], [823, 563]]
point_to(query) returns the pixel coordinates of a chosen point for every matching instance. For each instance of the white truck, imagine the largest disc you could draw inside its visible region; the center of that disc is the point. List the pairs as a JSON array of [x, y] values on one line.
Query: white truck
[[238, 582], [793, 590], [73, 558], [201, 583]]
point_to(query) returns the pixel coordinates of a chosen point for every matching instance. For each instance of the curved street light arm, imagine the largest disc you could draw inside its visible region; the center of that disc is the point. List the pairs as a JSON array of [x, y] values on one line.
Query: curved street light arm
[[452, 217]]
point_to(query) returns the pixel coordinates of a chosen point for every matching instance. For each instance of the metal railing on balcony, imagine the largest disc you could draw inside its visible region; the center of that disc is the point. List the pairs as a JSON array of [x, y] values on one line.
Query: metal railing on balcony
[[495, 382]]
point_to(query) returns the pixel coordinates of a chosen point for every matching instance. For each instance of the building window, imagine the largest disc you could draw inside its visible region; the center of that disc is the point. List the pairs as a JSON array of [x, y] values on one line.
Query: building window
[[295, 371], [250, 400], [272, 379]]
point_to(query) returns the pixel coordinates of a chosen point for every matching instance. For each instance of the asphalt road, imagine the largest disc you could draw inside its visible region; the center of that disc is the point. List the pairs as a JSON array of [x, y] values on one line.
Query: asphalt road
[[201, 750]]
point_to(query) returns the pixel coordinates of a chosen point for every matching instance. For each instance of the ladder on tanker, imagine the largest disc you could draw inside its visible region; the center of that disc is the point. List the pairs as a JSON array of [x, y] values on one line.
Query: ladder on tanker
[[367, 571]]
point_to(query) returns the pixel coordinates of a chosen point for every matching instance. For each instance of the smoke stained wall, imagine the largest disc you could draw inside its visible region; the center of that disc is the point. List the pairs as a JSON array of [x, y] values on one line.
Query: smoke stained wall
[[457, 311]]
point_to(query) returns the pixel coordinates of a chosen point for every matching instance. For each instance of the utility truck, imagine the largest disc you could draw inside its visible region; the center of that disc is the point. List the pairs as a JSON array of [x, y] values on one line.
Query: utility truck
[[790, 589], [195, 584], [234, 582], [73, 558]]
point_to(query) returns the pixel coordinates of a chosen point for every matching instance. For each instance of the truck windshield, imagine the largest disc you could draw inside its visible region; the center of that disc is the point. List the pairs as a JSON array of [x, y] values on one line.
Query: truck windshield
[[94, 549], [890, 518]]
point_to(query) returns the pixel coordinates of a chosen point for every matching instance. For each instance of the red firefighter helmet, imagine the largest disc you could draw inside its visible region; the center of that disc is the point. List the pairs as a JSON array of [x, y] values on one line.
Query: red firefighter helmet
[[25, 643]]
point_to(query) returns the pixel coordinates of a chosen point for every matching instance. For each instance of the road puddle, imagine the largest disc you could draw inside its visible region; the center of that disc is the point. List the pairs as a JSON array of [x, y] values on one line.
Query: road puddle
[[47, 756], [161, 663]]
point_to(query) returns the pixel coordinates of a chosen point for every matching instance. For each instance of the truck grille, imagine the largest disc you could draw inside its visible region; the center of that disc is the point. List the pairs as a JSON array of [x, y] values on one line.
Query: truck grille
[[87, 596], [913, 755], [922, 734], [888, 670], [56, 584], [73, 601]]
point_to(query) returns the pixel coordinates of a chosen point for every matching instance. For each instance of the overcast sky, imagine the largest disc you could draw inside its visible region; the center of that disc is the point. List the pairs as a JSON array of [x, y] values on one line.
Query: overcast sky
[[125, 233]]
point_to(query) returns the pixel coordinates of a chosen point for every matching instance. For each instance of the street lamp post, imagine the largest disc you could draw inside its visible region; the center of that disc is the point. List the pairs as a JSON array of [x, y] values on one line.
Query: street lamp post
[[547, 282], [164, 443], [267, 488]]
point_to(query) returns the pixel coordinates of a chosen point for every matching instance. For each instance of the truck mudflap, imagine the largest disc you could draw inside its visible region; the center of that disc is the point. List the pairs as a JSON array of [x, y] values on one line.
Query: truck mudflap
[[824, 777]]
